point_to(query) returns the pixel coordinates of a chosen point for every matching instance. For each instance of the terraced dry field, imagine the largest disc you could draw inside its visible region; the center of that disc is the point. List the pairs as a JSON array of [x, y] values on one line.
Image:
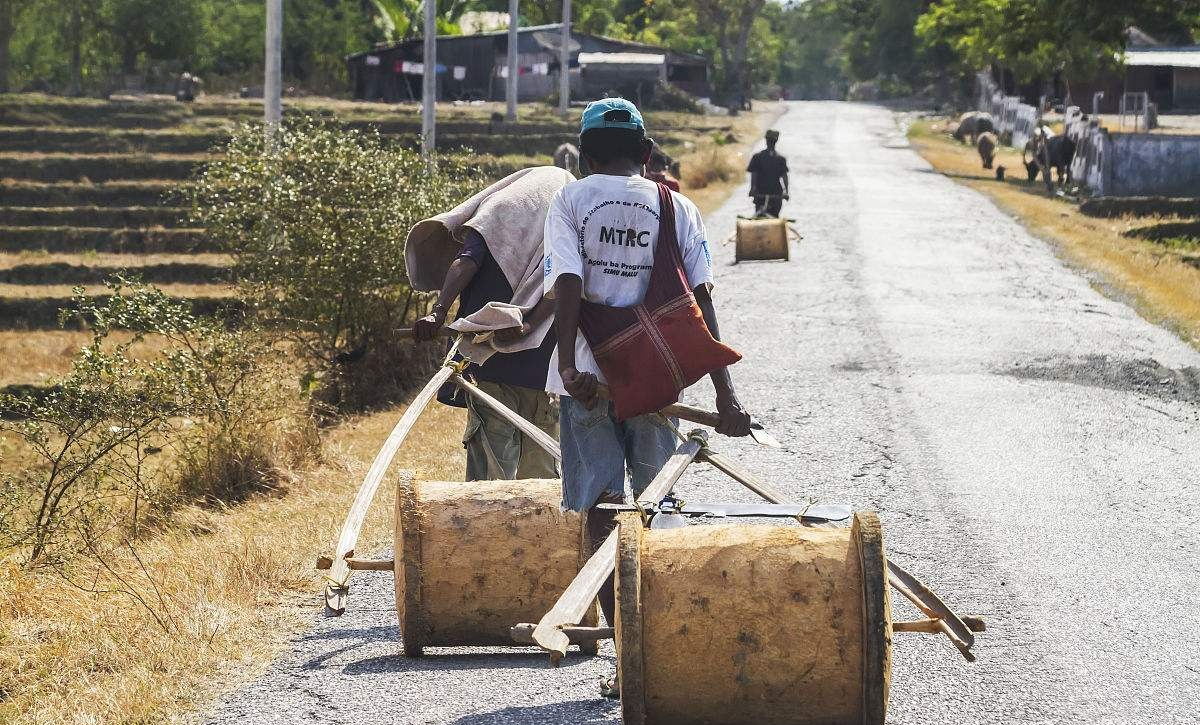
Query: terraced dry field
[[91, 187]]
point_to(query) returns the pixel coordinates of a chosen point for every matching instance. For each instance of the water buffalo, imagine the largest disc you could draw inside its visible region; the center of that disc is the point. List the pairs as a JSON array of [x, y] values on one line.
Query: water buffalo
[[971, 124], [1029, 153], [986, 146], [1059, 152]]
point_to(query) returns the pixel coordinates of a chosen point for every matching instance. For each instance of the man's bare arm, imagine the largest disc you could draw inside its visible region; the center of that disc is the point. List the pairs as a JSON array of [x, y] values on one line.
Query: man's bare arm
[[568, 290], [462, 271]]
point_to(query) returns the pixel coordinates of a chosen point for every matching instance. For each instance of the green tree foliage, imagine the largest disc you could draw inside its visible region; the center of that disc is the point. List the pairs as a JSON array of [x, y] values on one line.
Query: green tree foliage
[[814, 47], [9, 10], [811, 61], [1036, 38], [77, 46], [154, 30]]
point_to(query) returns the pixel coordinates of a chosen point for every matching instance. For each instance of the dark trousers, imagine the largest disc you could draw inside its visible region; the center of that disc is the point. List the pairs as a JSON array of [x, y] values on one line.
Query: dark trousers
[[768, 205]]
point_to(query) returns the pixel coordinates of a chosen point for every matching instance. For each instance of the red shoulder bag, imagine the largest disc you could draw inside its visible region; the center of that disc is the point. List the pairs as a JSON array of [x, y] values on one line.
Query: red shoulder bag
[[652, 351]]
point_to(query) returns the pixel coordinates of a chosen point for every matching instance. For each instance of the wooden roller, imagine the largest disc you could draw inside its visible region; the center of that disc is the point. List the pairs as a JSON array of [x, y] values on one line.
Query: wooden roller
[[474, 558], [768, 625], [761, 239]]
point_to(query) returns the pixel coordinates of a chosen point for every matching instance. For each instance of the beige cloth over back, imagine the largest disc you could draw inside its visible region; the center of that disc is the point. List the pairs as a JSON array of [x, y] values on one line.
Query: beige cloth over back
[[510, 216]]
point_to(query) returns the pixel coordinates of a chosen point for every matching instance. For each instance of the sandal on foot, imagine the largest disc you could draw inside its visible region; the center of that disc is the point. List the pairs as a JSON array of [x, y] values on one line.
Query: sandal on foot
[[610, 688]]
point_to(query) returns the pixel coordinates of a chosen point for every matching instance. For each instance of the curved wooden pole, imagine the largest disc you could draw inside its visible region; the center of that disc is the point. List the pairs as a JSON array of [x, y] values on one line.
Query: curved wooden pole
[[337, 588], [531, 431]]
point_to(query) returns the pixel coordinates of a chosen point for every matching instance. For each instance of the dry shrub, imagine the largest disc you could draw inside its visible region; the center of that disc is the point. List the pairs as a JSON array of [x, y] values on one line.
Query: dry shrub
[[711, 163], [225, 464], [316, 225], [387, 371], [230, 584], [120, 442]]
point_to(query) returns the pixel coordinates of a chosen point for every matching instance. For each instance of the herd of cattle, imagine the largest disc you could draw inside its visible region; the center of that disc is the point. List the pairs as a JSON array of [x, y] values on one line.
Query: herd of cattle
[[1045, 150]]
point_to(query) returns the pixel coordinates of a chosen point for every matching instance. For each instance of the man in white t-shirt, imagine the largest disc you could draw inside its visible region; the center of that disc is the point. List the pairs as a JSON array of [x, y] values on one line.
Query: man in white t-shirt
[[600, 236]]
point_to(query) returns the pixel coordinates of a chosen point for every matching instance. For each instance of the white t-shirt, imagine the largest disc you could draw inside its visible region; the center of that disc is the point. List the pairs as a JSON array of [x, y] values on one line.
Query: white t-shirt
[[604, 229]]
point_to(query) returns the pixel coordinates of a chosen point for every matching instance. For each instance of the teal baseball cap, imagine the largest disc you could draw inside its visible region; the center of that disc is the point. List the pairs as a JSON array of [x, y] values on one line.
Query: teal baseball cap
[[611, 113]]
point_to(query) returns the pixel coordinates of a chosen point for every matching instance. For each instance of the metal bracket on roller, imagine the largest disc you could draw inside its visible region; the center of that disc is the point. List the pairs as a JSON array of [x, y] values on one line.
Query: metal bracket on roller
[[674, 509]]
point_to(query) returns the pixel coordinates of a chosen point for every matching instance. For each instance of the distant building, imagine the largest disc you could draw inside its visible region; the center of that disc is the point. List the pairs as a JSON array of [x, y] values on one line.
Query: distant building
[[474, 67], [1169, 74]]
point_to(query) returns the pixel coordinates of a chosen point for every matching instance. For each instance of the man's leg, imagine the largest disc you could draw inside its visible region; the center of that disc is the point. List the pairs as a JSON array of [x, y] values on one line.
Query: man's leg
[[539, 408], [593, 453], [774, 205], [492, 443], [649, 442], [593, 464]]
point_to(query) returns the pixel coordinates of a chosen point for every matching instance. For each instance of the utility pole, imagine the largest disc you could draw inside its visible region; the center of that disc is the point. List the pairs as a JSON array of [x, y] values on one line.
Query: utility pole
[[429, 80], [513, 69], [273, 78], [564, 62]]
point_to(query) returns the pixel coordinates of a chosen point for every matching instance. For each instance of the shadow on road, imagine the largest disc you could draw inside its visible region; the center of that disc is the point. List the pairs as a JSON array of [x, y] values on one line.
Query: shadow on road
[[450, 659], [583, 712]]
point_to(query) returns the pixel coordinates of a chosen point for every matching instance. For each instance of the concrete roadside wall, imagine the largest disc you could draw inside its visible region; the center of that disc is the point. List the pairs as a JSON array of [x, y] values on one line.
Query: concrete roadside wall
[[1133, 164], [1093, 152], [1015, 121], [1146, 164]]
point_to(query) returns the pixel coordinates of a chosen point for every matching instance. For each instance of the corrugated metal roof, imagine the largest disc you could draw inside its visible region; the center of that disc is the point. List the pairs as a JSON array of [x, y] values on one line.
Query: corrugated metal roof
[[677, 57], [1180, 57], [622, 58]]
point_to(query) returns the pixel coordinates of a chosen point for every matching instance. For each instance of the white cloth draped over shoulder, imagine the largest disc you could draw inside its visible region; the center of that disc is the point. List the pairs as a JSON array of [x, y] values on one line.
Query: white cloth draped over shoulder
[[510, 215]]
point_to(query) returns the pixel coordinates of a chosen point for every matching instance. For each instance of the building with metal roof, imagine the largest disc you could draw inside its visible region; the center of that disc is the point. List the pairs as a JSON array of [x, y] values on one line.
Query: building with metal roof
[[1187, 56], [473, 67], [1168, 74]]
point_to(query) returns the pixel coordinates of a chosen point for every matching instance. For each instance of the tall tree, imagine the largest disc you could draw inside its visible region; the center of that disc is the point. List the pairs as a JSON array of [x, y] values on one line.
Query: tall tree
[[74, 38], [810, 63], [157, 29], [8, 25], [729, 23], [1036, 38], [893, 40]]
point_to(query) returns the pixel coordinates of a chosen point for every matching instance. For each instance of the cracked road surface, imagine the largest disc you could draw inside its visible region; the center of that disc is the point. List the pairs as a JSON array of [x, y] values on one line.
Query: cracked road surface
[[1031, 446]]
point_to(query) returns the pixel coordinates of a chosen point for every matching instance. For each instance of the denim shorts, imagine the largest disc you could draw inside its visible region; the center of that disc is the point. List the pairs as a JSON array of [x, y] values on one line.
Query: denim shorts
[[597, 450]]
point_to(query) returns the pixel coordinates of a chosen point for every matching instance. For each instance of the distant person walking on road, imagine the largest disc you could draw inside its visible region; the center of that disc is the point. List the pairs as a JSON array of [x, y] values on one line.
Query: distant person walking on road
[[768, 178]]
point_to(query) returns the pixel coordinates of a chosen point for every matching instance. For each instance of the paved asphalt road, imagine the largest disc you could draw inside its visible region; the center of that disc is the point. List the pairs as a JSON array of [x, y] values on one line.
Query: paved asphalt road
[[1032, 446]]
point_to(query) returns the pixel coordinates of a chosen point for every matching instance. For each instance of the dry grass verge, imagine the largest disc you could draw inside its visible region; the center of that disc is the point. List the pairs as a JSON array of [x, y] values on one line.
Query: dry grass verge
[[230, 584], [109, 260], [1162, 280], [65, 291], [37, 357]]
